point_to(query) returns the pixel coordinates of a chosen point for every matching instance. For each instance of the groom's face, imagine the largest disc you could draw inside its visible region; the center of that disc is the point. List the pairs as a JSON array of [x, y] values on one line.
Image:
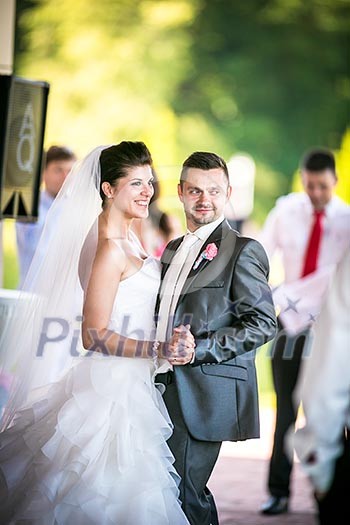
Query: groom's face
[[204, 194]]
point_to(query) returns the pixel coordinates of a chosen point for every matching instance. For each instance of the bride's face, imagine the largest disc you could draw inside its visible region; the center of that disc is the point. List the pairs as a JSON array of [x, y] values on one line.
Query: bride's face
[[133, 193]]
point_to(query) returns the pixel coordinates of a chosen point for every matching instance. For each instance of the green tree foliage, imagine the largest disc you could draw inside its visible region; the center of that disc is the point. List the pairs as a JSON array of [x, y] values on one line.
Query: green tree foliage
[[112, 66], [266, 77], [270, 77]]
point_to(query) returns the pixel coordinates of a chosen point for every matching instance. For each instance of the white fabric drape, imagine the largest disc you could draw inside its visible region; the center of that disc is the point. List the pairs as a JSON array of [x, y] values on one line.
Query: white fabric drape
[[42, 338]]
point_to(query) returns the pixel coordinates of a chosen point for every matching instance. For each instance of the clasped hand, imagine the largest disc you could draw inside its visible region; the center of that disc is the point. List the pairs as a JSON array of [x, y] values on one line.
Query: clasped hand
[[180, 348]]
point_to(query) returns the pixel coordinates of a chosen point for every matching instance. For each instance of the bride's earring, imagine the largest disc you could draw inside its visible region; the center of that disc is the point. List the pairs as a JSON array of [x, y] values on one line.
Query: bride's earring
[[106, 187]]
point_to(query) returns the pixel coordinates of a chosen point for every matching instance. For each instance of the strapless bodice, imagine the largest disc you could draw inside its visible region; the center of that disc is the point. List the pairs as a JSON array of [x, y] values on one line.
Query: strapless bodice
[[133, 309]]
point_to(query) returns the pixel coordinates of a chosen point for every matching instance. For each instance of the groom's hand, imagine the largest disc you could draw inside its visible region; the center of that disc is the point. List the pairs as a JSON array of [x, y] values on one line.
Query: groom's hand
[[181, 346]]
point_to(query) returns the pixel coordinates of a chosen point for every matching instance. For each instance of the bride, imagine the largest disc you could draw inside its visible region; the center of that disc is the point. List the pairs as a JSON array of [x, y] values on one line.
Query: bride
[[84, 431]]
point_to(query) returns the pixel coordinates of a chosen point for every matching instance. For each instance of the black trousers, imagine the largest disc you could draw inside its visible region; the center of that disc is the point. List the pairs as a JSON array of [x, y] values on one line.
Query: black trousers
[[286, 356], [194, 461], [336, 501]]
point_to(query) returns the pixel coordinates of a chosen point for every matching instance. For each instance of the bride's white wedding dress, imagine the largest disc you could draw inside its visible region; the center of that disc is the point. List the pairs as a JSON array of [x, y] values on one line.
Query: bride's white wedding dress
[[92, 447]]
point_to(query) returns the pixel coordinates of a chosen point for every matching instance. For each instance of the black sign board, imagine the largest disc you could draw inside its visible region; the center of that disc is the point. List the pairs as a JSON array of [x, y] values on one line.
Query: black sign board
[[23, 107]]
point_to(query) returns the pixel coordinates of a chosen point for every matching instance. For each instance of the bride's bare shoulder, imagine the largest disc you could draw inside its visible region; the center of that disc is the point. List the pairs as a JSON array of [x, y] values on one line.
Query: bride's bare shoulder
[[111, 250], [101, 251]]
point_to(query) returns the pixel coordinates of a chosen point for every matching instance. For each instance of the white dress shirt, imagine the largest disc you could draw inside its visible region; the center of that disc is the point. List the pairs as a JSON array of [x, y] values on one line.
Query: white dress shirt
[[287, 229], [180, 263], [324, 384], [174, 281]]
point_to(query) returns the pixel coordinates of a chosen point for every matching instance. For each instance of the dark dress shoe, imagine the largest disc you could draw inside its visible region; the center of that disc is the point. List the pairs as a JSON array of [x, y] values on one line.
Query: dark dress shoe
[[275, 505]]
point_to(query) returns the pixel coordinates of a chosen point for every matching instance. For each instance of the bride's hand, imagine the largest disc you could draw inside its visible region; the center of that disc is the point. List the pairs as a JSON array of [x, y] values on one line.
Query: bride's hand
[[181, 346]]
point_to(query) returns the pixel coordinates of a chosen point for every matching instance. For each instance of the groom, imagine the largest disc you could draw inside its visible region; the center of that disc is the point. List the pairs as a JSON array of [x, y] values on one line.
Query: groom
[[215, 281]]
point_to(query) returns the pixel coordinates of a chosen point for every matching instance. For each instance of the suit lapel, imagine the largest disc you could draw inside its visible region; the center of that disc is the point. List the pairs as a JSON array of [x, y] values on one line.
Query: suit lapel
[[169, 253], [166, 259], [216, 237]]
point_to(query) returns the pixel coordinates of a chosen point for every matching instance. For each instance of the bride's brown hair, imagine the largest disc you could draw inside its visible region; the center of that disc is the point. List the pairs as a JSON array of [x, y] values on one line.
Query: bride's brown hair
[[117, 159]]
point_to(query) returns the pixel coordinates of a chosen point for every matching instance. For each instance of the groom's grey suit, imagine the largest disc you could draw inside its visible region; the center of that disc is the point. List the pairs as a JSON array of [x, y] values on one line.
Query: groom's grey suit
[[227, 301]]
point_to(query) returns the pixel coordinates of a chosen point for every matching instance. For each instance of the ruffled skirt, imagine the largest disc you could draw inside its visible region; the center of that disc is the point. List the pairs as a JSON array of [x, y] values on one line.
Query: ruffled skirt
[[91, 449]]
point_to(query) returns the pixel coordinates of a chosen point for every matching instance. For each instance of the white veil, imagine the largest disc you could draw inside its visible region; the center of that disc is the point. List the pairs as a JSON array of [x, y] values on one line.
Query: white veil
[[42, 337]]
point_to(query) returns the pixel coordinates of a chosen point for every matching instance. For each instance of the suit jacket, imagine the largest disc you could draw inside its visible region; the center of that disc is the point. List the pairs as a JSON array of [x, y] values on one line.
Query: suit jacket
[[227, 301]]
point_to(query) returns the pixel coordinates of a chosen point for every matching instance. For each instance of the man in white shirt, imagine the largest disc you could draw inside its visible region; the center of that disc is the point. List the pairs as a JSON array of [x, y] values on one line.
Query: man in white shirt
[[312, 232], [59, 160]]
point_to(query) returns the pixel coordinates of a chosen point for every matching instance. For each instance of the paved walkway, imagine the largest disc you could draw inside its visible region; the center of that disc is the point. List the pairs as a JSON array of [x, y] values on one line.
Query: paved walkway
[[239, 483]]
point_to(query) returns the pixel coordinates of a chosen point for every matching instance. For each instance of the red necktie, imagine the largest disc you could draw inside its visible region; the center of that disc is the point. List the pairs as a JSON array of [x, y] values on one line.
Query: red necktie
[[312, 250]]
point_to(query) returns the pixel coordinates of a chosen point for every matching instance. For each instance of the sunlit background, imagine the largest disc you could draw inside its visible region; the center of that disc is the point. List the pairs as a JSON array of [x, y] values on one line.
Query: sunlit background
[[260, 79]]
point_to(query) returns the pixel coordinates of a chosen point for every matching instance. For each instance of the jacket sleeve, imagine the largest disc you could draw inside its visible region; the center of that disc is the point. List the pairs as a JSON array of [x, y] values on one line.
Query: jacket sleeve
[[253, 319]]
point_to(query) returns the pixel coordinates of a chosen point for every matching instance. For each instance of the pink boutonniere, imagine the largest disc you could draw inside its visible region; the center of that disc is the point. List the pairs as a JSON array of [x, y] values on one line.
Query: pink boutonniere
[[209, 253]]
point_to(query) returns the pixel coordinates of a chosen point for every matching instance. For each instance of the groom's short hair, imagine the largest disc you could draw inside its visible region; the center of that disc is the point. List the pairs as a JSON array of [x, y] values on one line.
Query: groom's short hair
[[203, 160]]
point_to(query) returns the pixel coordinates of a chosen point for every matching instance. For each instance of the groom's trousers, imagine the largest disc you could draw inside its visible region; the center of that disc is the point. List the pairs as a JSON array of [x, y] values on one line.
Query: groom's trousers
[[194, 461]]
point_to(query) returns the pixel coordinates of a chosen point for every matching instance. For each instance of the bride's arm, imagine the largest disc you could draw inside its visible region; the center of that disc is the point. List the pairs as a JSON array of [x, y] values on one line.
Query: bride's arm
[[109, 265]]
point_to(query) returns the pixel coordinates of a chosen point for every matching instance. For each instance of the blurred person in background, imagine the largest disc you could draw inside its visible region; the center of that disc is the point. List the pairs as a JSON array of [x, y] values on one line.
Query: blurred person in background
[[311, 229], [59, 161], [323, 443], [169, 227]]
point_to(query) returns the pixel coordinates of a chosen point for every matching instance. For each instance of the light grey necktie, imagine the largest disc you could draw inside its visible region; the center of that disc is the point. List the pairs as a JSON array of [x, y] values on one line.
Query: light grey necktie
[[169, 284]]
